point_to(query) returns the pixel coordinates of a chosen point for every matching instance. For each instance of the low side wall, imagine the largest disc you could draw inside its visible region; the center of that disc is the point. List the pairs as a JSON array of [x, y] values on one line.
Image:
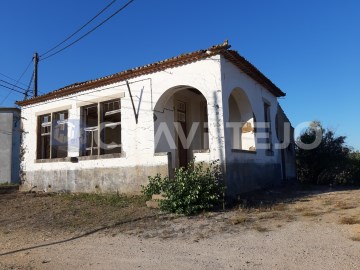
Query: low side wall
[[244, 177], [95, 180]]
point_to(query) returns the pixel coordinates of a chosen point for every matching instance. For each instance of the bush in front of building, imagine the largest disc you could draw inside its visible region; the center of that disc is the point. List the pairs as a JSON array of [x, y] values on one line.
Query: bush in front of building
[[193, 189]]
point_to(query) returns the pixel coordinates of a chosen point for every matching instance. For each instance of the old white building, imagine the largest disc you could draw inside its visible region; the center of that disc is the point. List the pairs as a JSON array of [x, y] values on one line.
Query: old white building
[[109, 134], [9, 145]]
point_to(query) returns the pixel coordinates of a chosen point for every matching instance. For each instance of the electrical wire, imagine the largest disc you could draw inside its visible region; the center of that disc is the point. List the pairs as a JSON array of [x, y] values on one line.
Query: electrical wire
[[77, 31], [89, 32], [12, 85], [8, 77], [26, 69], [15, 85], [31, 79], [12, 89], [28, 88]]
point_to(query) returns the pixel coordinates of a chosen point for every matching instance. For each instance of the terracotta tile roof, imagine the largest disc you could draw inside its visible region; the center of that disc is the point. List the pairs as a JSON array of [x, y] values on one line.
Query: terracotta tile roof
[[180, 60]]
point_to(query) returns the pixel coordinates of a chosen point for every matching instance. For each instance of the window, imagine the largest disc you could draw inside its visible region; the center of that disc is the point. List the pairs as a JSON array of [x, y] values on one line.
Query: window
[[52, 135], [268, 126], [101, 131], [60, 135]]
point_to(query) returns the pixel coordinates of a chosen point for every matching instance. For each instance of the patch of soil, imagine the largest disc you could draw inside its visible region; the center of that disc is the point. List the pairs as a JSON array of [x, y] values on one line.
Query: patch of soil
[[35, 221]]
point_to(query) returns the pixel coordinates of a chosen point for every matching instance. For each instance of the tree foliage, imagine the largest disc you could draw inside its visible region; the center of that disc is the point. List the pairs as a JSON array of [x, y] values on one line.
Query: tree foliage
[[332, 162]]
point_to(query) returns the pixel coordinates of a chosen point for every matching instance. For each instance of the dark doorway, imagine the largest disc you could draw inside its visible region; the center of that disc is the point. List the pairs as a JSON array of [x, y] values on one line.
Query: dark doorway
[[181, 119]]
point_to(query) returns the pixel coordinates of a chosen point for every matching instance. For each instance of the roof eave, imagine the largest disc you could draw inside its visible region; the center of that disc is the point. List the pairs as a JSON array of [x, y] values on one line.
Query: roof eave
[[248, 68], [180, 60]]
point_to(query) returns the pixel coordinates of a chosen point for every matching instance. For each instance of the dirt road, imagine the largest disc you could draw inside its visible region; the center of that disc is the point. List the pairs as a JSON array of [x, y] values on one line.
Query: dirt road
[[316, 231]]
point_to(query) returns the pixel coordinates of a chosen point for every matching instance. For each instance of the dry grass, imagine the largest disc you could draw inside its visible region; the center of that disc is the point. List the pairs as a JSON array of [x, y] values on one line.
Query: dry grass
[[68, 212], [289, 217], [328, 202], [269, 215], [355, 238], [300, 208], [239, 219], [260, 228], [311, 214], [280, 207], [344, 205], [349, 220]]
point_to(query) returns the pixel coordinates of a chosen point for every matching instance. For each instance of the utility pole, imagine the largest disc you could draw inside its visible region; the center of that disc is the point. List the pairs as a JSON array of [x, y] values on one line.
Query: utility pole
[[36, 62]]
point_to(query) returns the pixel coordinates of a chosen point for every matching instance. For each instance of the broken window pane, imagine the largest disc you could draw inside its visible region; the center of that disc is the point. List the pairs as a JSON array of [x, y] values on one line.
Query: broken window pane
[[43, 149], [91, 145], [90, 131], [111, 106], [109, 127], [60, 135], [111, 135], [91, 116]]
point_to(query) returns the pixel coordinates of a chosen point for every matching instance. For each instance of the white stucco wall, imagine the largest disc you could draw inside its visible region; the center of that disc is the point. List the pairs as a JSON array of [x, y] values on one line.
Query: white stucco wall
[[214, 77], [137, 139], [232, 78]]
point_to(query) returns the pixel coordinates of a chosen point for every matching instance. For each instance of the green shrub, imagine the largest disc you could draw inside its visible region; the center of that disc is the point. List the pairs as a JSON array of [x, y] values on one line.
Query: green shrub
[[193, 189], [155, 185]]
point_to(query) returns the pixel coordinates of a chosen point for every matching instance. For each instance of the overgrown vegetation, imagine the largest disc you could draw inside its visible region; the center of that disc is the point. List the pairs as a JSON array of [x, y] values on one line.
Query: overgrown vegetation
[[8, 184], [116, 200], [191, 190], [332, 162]]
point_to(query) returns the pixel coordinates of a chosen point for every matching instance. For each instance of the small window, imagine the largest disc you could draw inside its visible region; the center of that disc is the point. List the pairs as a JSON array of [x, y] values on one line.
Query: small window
[[52, 135], [44, 137], [268, 126], [91, 130], [60, 135], [102, 131]]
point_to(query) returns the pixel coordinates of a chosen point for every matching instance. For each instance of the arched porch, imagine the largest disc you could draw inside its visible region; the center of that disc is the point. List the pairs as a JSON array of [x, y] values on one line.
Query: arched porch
[[181, 124]]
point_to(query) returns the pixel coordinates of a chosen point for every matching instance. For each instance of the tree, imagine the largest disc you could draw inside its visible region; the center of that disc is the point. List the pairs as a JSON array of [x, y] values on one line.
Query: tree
[[328, 162]]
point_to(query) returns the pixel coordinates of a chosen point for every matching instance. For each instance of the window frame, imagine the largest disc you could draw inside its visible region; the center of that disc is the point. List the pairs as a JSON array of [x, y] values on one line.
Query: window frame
[[41, 153], [99, 129]]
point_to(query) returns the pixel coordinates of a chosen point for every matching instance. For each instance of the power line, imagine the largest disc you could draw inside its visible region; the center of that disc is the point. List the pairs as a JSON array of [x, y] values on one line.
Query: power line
[[8, 77], [92, 30], [12, 85], [12, 89], [5, 98], [26, 69], [28, 88], [77, 31], [16, 82]]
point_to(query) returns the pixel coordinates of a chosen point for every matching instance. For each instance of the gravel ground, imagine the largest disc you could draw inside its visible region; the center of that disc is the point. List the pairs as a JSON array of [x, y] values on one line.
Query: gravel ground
[[320, 230]]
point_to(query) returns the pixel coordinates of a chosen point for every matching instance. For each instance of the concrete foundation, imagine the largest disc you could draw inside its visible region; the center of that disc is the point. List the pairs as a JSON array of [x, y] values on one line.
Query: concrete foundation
[[245, 177], [104, 180]]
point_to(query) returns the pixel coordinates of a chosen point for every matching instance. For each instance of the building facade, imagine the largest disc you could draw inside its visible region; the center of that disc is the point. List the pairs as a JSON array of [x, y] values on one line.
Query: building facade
[[110, 134], [9, 145]]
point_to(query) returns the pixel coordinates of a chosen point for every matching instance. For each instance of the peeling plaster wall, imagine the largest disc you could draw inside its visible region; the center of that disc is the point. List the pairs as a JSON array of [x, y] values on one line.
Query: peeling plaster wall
[[128, 172], [246, 171]]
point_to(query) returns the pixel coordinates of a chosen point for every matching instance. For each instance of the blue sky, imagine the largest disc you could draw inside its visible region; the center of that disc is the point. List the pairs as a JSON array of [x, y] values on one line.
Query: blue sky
[[310, 49]]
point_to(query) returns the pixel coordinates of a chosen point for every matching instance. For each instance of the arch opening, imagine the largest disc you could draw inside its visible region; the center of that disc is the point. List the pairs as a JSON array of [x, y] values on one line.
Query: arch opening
[[180, 124], [242, 121]]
